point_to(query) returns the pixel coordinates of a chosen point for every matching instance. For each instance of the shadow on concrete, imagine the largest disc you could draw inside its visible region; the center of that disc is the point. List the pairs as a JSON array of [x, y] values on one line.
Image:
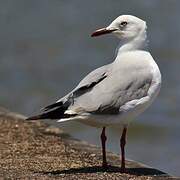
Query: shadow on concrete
[[109, 169]]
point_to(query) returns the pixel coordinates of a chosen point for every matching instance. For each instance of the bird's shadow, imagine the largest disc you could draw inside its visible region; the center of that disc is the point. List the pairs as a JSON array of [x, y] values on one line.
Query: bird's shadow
[[109, 169]]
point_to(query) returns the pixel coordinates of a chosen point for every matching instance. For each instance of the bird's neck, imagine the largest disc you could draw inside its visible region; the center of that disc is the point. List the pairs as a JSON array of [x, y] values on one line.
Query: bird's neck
[[138, 43]]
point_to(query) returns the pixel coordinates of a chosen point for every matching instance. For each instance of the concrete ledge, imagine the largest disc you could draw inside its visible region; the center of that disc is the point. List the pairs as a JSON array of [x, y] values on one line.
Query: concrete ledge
[[32, 150]]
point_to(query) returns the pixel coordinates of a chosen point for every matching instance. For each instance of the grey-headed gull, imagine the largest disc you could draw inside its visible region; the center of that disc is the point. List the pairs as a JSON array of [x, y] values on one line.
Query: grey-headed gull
[[116, 93]]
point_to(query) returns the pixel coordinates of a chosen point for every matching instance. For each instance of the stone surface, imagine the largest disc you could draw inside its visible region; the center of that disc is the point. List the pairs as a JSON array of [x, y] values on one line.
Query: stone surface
[[33, 150]]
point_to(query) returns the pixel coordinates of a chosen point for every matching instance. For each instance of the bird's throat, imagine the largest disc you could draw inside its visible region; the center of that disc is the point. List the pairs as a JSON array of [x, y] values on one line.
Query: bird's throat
[[138, 43]]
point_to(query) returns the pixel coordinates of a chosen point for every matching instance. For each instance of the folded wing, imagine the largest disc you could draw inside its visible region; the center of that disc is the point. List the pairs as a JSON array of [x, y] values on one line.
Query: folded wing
[[57, 109]]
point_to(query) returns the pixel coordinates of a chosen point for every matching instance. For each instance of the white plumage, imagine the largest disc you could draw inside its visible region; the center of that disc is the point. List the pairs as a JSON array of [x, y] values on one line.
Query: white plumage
[[117, 92]]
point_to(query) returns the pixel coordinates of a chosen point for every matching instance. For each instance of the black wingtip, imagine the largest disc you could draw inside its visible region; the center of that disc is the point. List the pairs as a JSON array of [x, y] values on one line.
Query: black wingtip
[[51, 106], [33, 118]]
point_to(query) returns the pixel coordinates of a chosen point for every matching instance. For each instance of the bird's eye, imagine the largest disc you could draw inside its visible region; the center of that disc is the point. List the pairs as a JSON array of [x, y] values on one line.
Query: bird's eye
[[123, 23]]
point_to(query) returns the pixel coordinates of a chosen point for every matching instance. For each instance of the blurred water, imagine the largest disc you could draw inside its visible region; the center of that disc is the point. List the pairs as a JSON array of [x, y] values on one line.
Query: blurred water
[[45, 49]]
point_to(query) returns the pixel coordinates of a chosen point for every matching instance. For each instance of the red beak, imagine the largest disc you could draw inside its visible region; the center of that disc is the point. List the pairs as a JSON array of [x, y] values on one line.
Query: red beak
[[102, 31]]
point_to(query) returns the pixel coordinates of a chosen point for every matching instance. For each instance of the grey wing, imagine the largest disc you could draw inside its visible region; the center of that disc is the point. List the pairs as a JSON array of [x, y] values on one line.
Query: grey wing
[[83, 87], [100, 92], [91, 80], [117, 89]]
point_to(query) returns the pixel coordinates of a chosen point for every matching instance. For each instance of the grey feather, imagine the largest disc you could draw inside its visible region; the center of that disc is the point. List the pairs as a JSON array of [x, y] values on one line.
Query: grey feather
[[83, 87]]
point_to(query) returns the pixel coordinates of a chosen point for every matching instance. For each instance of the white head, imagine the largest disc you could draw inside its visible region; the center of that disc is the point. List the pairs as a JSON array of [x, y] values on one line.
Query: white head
[[127, 28]]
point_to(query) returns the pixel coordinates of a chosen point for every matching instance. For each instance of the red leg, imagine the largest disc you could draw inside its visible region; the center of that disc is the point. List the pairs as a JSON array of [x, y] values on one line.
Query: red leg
[[123, 143], [103, 141]]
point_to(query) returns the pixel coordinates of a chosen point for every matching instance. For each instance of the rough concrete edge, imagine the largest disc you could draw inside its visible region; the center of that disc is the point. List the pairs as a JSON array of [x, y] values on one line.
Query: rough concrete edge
[[6, 113], [79, 144]]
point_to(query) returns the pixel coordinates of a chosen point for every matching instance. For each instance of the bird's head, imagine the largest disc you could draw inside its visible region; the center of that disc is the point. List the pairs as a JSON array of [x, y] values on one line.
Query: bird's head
[[125, 27]]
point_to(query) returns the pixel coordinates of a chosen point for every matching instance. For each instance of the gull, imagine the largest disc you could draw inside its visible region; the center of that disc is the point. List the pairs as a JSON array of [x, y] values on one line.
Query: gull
[[116, 93]]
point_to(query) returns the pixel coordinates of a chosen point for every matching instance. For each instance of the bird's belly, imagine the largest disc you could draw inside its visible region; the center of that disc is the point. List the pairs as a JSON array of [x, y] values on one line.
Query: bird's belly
[[112, 120], [102, 120]]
